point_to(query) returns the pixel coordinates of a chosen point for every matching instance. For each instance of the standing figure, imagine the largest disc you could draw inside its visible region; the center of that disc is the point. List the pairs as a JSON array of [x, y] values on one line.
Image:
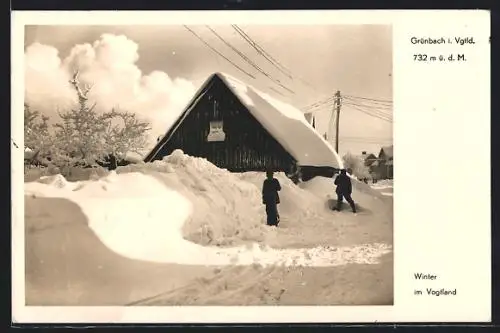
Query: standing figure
[[344, 190], [271, 199]]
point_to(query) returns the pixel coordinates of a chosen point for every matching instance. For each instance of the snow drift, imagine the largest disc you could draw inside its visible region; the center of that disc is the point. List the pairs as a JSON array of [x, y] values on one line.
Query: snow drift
[[157, 211], [227, 209]]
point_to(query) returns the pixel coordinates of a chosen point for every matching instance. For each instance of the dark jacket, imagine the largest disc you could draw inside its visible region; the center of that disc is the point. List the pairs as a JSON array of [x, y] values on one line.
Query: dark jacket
[[270, 191], [344, 185]]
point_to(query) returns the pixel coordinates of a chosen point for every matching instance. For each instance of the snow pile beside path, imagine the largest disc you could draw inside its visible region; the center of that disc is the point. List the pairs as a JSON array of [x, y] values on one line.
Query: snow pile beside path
[[324, 188], [126, 212], [138, 217], [48, 185], [364, 188], [294, 201], [228, 210], [57, 181]]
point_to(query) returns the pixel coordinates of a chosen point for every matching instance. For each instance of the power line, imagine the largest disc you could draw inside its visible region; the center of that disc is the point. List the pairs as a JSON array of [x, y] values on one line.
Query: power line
[[379, 114], [220, 54], [360, 140], [276, 91], [369, 105], [270, 58], [367, 137], [358, 100], [326, 101], [261, 51], [373, 109], [369, 99], [370, 113], [248, 60], [381, 107], [319, 107]]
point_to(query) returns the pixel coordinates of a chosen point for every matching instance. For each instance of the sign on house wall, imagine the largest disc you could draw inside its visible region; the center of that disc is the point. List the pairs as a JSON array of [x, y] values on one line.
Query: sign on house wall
[[216, 132]]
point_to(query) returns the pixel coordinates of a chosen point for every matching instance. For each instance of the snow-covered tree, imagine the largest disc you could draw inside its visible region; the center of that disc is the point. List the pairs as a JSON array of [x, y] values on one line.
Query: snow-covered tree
[[37, 137], [356, 166], [125, 134], [86, 137]]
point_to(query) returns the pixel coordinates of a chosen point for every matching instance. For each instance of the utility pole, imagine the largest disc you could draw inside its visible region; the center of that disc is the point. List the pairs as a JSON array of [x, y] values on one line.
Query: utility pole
[[337, 109]]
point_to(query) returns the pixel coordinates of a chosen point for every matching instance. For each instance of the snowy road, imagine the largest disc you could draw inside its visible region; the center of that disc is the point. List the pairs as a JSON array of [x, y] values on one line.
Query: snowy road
[[66, 264], [386, 187]]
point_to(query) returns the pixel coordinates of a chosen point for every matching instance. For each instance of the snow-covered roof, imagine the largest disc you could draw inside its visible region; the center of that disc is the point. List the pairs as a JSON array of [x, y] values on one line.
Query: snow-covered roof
[[287, 124], [388, 150]]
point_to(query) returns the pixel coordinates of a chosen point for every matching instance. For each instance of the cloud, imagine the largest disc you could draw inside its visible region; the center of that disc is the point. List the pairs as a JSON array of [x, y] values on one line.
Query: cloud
[[109, 64]]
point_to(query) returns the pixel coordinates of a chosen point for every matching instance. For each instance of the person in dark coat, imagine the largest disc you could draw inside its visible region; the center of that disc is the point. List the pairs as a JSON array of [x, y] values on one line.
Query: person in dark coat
[[271, 199], [344, 190]]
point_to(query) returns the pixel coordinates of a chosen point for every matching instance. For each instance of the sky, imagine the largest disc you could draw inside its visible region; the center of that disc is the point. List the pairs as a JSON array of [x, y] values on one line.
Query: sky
[[155, 70]]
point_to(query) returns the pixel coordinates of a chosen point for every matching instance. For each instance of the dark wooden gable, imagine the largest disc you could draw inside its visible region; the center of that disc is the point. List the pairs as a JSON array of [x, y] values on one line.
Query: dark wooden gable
[[247, 145]]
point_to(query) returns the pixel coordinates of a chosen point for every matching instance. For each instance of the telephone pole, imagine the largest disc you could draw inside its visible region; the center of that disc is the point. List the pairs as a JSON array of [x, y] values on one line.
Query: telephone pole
[[337, 109]]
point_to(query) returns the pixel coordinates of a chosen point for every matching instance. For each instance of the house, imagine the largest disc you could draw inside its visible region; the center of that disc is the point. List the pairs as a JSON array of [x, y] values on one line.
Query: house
[[371, 162], [385, 166], [310, 119], [368, 159], [238, 128]]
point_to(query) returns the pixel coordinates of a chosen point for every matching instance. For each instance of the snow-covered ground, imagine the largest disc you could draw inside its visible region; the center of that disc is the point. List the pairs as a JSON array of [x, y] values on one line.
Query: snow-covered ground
[[185, 210], [386, 187]]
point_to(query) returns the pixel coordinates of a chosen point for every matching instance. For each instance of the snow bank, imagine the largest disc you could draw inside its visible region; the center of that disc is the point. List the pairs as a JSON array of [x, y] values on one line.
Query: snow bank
[[324, 188], [294, 200], [144, 216], [228, 210]]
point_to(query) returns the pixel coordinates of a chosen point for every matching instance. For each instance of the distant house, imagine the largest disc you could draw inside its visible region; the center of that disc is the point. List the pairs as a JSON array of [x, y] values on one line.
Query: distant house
[[369, 159], [238, 128], [310, 119], [385, 167]]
